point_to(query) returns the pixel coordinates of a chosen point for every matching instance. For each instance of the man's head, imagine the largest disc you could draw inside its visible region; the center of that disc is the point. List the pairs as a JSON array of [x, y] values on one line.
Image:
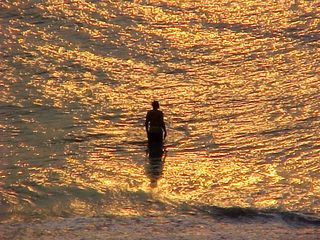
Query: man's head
[[155, 105]]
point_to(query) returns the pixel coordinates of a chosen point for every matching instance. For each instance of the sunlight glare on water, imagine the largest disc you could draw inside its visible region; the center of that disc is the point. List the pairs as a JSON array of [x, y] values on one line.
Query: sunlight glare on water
[[238, 82]]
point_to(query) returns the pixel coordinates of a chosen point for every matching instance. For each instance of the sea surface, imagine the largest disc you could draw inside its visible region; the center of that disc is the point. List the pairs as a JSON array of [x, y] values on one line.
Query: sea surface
[[238, 82]]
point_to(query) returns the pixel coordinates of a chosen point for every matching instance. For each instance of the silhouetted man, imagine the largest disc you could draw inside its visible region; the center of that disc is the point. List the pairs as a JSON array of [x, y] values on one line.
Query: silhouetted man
[[155, 127]]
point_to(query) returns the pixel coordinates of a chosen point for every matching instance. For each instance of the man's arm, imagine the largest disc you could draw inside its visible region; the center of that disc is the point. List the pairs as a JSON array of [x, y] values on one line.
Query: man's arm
[[163, 127], [146, 124]]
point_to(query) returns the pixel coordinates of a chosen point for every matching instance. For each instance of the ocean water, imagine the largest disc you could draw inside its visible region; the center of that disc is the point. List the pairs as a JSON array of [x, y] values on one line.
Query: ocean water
[[238, 82]]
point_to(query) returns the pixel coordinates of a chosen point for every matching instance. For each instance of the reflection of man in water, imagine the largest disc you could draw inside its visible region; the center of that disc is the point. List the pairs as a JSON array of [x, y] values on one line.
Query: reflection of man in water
[[155, 127], [154, 167]]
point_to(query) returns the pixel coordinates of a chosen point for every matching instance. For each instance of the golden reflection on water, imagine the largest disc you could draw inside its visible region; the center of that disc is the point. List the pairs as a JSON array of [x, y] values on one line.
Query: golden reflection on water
[[238, 82]]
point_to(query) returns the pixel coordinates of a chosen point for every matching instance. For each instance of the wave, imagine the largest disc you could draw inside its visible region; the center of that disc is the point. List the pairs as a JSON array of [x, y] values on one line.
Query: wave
[[295, 218], [57, 201]]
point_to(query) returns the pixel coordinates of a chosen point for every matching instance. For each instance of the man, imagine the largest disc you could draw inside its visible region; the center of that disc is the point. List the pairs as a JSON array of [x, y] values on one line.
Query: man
[[155, 127]]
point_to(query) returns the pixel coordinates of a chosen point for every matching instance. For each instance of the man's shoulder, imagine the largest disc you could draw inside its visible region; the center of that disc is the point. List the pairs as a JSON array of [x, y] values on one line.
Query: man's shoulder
[[157, 113], [149, 113]]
